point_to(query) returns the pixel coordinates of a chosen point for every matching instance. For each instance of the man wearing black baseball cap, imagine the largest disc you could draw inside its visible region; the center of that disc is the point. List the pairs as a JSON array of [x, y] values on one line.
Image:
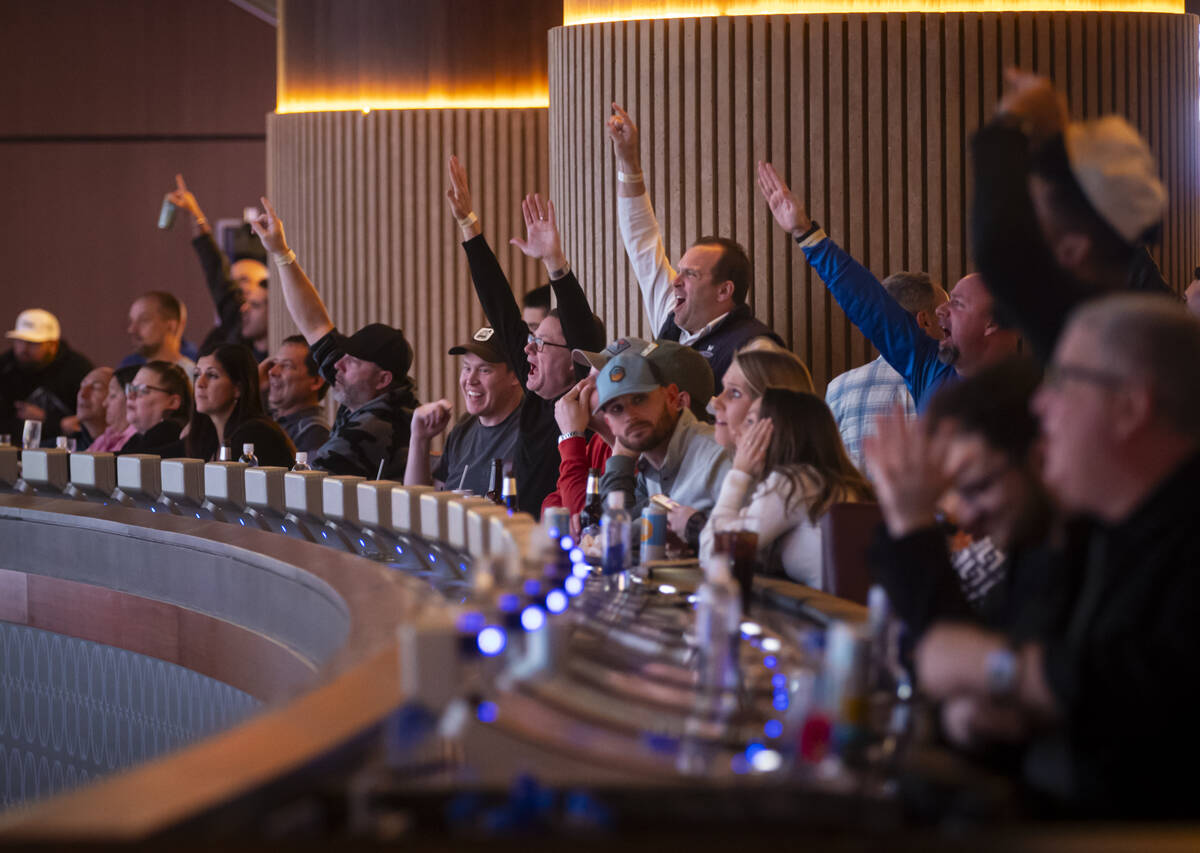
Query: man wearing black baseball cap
[[368, 372], [492, 395]]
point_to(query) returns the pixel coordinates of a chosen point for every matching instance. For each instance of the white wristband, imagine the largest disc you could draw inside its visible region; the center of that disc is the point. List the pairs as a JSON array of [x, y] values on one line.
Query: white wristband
[[630, 177], [468, 220], [283, 259]]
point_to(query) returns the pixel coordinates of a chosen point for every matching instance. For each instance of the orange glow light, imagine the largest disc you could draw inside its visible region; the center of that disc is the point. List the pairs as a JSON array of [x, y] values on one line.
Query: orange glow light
[[599, 11], [430, 100]]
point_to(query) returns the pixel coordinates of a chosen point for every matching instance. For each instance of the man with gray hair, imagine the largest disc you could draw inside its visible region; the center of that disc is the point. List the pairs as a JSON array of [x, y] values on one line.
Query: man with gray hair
[[1103, 701], [857, 397]]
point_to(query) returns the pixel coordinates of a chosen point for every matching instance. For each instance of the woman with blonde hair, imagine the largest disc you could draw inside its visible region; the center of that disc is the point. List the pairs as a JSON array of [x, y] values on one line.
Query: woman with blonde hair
[[791, 462], [759, 365]]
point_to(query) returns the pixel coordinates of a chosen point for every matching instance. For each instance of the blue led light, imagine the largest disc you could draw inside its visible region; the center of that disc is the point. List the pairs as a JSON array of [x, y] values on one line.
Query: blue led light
[[283, 528], [533, 618], [770, 661], [470, 622], [152, 509], [433, 558], [197, 515], [773, 728], [556, 601], [242, 522], [533, 587], [362, 543], [752, 749], [577, 555], [779, 681], [491, 640], [581, 570], [780, 701], [399, 550], [567, 543], [324, 535], [508, 602], [486, 712], [573, 585]]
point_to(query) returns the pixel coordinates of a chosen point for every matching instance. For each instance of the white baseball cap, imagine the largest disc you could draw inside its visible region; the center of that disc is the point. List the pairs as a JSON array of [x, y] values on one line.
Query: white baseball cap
[[1115, 169], [35, 326]]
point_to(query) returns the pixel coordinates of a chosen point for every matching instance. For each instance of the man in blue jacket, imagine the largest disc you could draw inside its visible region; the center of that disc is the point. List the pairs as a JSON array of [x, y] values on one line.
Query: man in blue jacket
[[975, 335]]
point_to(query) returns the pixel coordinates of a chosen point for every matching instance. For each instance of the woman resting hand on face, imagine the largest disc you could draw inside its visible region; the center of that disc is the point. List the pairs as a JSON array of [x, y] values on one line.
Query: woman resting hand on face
[[229, 410], [791, 462]]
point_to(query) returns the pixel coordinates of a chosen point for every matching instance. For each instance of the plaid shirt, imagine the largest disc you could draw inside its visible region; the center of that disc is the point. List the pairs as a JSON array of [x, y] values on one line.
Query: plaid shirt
[[858, 396]]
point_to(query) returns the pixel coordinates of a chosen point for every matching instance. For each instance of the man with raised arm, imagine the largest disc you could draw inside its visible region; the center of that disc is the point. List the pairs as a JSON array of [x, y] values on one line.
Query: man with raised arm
[[368, 372], [542, 359], [975, 336], [703, 305], [239, 290]]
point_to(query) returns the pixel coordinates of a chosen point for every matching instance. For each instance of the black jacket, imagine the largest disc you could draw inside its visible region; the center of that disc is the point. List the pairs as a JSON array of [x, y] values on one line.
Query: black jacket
[[53, 388], [162, 439], [227, 298], [721, 343]]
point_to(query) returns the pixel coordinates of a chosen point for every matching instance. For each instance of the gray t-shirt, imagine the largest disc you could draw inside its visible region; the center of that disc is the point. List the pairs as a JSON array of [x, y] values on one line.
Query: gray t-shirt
[[473, 446]]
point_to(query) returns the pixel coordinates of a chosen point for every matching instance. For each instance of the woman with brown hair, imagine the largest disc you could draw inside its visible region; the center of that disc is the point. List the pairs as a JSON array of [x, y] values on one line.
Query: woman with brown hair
[[757, 366], [791, 462], [229, 410]]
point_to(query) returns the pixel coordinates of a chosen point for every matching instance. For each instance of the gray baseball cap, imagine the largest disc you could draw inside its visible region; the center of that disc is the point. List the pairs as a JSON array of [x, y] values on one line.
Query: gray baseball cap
[[628, 373], [673, 362]]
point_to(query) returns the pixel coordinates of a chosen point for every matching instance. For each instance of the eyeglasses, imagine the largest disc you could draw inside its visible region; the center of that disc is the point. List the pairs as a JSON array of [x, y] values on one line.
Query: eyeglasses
[[1059, 374], [134, 391], [542, 343]]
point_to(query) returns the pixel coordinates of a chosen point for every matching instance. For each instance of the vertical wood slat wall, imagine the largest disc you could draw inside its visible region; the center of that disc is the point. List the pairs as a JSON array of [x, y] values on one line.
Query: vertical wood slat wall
[[868, 117], [362, 199]]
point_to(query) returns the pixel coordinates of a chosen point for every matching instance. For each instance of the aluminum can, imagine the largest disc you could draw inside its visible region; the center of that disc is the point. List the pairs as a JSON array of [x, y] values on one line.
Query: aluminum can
[[166, 214], [654, 533]]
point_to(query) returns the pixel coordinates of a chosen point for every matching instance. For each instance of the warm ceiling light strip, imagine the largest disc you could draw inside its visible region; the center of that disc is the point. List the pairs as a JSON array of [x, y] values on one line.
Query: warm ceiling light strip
[[599, 11], [333, 103]]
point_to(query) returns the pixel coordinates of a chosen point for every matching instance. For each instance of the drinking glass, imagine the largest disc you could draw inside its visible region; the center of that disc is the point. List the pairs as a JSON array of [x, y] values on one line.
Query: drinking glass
[[33, 435]]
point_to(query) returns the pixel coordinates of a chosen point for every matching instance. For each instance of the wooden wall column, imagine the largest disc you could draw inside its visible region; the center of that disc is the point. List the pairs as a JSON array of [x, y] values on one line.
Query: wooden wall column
[[374, 96], [867, 115]]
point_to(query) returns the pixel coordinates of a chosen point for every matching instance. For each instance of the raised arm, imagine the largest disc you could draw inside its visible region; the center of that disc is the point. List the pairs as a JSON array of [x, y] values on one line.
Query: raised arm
[[635, 215], [303, 301], [226, 296], [893, 331]]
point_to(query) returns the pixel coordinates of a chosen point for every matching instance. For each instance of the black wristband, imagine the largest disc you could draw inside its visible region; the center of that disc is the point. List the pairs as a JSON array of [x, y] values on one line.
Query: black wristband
[[812, 229]]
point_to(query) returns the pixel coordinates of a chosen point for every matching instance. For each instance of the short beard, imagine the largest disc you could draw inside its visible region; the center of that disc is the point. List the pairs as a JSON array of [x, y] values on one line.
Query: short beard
[[948, 354], [660, 432]]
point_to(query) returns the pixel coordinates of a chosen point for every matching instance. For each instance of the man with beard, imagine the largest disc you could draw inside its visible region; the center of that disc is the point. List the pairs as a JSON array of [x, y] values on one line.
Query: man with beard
[[660, 447], [295, 389], [492, 394], [368, 372], [975, 335], [156, 321], [39, 376]]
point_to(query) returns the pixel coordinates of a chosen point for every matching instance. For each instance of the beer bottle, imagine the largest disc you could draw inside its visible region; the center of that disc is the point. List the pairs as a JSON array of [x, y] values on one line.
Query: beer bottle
[[593, 506], [496, 483], [510, 492]]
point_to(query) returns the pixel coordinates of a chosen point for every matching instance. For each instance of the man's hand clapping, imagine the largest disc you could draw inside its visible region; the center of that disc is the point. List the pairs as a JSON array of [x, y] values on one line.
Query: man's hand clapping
[[908, 465]]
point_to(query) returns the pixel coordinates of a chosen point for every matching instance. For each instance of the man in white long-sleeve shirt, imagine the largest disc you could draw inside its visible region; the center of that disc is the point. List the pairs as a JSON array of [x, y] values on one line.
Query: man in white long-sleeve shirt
[[703, 304]]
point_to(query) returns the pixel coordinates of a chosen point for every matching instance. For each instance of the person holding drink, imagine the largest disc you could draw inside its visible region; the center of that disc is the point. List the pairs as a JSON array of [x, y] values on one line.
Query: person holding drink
[[791, 462]]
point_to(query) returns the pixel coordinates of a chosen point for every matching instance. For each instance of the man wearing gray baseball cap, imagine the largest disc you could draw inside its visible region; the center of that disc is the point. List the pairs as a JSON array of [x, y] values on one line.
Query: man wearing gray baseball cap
[[660, 447]]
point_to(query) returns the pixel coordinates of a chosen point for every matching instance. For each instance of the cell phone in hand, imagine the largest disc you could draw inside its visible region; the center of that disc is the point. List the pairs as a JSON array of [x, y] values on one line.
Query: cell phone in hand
[[665, 502]]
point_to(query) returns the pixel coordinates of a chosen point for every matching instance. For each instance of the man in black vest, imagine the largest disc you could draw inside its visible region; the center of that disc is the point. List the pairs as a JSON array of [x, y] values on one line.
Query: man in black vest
[[703, 305]]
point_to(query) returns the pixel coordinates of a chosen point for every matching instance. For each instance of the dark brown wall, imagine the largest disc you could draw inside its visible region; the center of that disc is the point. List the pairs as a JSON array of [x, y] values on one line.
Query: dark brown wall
[[104, 100]]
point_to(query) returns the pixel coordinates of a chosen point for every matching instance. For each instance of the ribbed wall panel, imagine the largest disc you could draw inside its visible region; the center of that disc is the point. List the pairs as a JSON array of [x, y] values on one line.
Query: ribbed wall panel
[[362, 197], [868, 116]]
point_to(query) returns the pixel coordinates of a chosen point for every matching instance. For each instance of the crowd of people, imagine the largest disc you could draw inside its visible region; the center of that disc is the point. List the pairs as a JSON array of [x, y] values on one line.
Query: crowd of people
[[1041, 419]]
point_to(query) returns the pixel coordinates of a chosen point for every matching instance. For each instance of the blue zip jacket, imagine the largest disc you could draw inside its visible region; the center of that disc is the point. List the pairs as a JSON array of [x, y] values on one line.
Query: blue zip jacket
[[891, 329]]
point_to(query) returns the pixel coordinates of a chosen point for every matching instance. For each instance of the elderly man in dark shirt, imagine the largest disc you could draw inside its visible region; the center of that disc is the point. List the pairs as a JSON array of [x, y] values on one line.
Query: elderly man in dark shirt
[[368, 371], [1104, 700]]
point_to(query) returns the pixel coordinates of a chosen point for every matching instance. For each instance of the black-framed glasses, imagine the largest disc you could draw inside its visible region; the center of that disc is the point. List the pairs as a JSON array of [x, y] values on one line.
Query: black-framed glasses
[[1059, 374], [136, 391], [542, 343]]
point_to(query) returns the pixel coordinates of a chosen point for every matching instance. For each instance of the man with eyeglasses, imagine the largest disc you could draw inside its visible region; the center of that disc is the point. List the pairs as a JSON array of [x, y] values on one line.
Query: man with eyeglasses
[[542, 359], [1103, 701]]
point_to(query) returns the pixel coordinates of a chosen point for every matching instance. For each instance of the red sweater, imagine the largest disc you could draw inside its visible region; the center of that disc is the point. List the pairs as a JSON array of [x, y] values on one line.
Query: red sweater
[[578, 456]]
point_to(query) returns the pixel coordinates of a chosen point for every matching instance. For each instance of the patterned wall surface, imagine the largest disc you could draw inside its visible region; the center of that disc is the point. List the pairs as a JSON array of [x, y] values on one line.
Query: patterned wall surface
[[868, 116], [73, 710], [362, 197]]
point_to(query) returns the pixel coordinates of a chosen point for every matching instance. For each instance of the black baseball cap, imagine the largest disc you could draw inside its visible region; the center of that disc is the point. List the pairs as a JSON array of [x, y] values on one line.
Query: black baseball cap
[[483, 344], [382, 345]]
